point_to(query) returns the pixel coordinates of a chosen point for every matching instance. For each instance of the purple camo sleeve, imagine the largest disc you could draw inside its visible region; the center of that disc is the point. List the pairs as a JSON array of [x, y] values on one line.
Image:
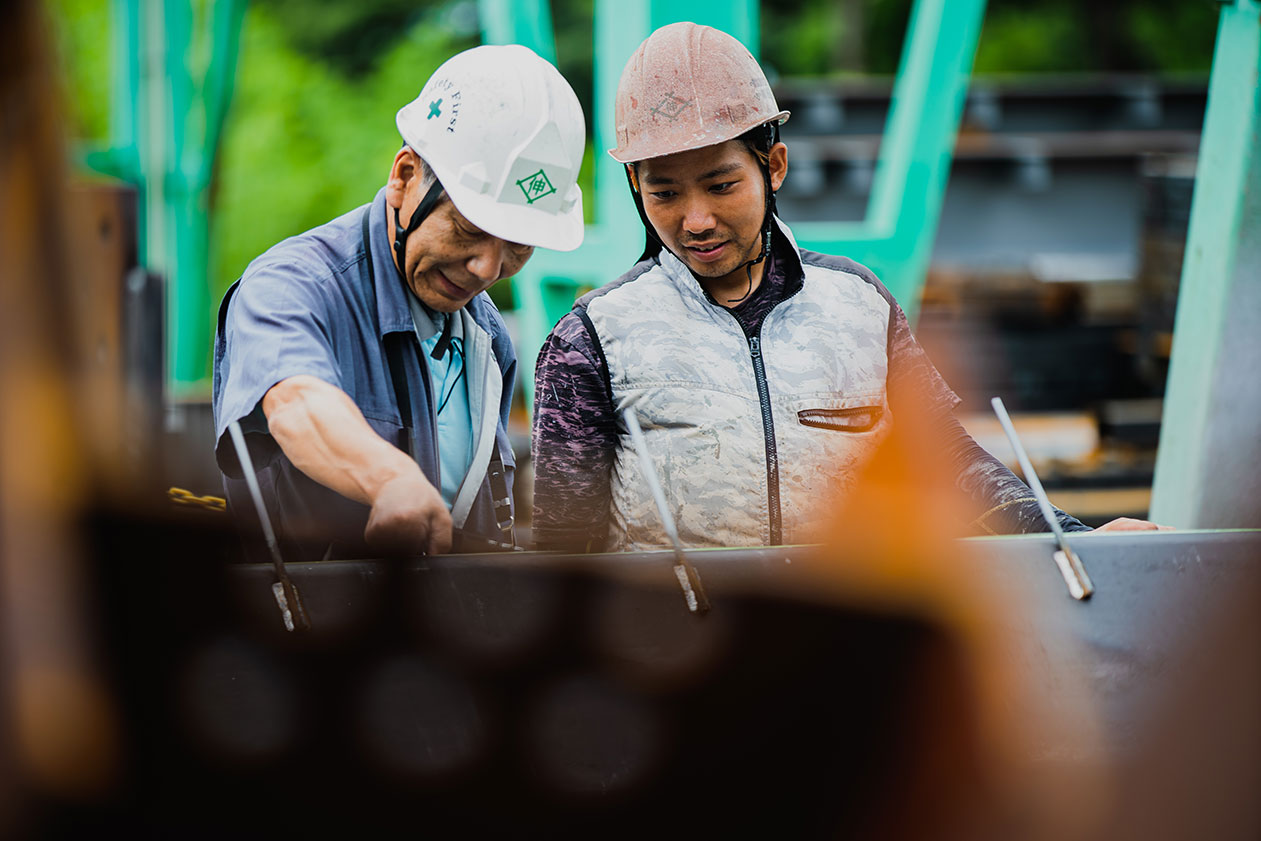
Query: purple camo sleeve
[[574, 436], [913, 379], [1010, 507]]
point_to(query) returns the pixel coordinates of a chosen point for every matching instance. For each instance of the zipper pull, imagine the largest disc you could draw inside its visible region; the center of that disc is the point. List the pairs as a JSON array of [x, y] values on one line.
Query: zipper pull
[[755, 346]]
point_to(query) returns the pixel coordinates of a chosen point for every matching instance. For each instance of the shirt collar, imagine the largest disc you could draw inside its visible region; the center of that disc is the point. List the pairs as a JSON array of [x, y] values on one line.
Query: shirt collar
[[787, 260], [428, 323]]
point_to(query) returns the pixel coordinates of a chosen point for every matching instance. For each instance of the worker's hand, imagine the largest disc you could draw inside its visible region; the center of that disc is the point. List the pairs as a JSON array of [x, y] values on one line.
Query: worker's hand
[[1130, 524], [325, 435], [409, 517]]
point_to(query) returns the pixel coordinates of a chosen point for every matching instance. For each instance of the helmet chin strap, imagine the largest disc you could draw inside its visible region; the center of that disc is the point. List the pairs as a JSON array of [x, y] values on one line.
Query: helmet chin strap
[[767, 222], [768, 217], [418, 216]]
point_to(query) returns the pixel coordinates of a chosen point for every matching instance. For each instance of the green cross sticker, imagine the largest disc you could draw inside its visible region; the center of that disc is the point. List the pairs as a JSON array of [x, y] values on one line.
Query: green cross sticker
[[435, 109], [536, 186]]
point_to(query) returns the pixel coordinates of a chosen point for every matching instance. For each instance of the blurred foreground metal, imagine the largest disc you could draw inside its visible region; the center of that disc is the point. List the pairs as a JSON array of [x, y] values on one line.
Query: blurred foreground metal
[[1155, 591], [577, 697]]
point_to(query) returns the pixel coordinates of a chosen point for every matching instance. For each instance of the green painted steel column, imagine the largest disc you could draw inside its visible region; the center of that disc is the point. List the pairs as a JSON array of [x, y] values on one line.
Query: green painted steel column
[[896, 238], [202, 40], [524, 22], [152, 143], [173, 252], [619, 30], [1207, 472]]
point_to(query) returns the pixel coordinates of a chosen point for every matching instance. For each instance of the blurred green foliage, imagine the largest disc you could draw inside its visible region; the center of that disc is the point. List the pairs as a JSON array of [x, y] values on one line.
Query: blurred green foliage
[[838, 37], [81, 29], [1103, 36], [348, 36], [311, 131], [309, 139]]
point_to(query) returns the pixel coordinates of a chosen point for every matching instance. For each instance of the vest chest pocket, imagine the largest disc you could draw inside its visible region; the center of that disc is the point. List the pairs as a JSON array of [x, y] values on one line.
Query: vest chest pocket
[[848, 419]]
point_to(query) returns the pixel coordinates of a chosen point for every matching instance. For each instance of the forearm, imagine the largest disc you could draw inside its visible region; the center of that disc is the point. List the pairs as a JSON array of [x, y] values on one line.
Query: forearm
[[1005, 504], [1001, 502], [571, 496], [324, 434]]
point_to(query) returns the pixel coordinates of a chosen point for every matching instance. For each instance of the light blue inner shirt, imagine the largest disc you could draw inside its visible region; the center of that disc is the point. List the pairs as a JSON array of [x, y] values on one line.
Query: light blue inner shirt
[[449, 384]]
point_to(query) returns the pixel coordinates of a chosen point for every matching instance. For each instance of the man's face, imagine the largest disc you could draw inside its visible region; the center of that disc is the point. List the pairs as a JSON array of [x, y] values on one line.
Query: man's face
[[707, 206], [449, 260]]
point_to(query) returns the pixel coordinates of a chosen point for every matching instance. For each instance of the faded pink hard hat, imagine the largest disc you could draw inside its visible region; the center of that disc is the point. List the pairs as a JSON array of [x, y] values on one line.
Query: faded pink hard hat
[[688, 86]]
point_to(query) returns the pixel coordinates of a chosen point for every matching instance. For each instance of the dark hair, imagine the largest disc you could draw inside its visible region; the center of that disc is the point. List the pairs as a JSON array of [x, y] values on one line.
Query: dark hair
[[759, 141]]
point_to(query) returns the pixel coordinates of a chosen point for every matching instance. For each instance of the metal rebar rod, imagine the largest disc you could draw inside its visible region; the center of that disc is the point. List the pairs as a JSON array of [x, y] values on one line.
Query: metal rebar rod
[[689, 579], [286, 593], [1070, 566]]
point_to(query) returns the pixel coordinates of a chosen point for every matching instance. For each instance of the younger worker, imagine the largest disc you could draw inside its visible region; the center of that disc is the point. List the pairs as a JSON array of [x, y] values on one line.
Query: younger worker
[[371, 374], [763, 375]]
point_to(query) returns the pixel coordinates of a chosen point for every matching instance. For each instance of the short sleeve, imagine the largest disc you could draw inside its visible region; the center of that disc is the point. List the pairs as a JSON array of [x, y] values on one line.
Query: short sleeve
[[276, 326]]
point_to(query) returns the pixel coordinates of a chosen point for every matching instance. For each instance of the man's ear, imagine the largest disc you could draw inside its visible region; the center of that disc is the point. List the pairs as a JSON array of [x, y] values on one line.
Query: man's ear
[[778, 165], [404, 169]]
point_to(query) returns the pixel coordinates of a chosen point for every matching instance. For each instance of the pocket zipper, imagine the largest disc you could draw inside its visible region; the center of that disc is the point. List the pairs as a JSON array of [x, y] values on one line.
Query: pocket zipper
[[829, 418]]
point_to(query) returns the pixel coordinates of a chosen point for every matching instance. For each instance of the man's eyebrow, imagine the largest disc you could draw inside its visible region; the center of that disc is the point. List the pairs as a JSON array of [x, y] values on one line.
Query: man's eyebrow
[[725, 169], [661, 180]]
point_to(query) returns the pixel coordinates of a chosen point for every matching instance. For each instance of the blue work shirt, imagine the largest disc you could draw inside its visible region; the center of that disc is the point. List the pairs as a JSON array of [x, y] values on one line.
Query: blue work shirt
[[450, 390], [312, 305]]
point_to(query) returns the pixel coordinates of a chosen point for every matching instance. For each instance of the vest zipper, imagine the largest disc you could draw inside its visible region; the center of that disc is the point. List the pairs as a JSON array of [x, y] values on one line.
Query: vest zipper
[[768, 433]]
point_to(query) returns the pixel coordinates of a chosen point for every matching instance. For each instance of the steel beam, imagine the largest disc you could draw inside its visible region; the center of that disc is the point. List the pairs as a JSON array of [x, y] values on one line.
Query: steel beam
[[1210, 443]]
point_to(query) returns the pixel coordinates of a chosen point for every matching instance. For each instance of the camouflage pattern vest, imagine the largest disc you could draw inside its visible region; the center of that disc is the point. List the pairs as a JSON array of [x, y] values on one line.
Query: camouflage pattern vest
[[751, 436]]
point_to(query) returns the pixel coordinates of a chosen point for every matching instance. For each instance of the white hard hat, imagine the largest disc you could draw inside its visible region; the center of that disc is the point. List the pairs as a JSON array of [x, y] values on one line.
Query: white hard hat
[[504, 133]]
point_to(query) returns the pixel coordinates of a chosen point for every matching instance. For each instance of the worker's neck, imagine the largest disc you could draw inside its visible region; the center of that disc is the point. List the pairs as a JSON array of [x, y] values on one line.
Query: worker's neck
[[735, 287]]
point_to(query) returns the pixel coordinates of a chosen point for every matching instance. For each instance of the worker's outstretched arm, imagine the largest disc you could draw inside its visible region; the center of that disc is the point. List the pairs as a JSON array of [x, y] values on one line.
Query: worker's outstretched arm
[[325, 435]]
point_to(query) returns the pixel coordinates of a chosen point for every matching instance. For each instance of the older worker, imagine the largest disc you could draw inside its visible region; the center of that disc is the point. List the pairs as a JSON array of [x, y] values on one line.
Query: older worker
[[371, 374]]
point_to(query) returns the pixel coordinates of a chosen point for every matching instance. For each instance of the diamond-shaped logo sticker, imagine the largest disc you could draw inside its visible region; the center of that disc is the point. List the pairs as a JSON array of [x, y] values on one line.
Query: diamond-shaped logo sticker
[[671, 106], [536, 186]]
